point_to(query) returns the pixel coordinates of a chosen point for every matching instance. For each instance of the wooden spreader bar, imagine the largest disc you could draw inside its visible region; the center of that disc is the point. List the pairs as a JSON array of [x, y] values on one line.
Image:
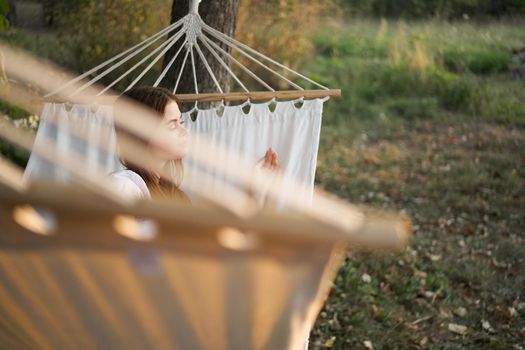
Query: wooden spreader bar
[[259, 95], [215, 97]]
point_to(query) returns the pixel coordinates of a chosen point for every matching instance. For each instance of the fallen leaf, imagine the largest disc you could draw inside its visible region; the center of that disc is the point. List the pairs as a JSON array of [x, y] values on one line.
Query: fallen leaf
[[428, 294], [330, 342], [485, 325], [412, 327], [460, 311], [457, 328], [334, 323], [368, 344], [385, 288], [435, 257], [505, 313], [423, 341], [420, 274], [366, 278], [369, 158], [393, 151], [497, 264], [469, 230], [444, 313]]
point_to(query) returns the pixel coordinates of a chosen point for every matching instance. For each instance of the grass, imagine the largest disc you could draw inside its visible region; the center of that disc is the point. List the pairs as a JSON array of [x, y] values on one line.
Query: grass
[[421, 69], [430, 124], [462, 184]]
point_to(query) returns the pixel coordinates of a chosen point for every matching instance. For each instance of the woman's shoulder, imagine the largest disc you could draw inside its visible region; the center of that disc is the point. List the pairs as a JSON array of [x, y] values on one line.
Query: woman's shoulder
[[130, 183]]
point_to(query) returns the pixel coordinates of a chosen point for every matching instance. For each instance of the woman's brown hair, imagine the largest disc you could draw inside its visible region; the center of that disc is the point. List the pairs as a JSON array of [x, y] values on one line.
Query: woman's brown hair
[[156, 99]]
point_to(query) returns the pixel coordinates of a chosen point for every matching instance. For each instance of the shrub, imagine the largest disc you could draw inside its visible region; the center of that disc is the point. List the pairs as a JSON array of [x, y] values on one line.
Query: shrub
[[14, 112], [482, 62], [21, 117], [86, 33], [4, 11]]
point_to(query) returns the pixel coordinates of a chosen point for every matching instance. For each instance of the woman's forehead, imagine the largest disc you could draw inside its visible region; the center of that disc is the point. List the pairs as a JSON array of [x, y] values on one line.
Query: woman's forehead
[[172, 111]]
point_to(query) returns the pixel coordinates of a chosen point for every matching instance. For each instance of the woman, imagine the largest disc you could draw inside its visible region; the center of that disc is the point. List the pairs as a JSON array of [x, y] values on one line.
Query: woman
[[136, 181], [144, 183]]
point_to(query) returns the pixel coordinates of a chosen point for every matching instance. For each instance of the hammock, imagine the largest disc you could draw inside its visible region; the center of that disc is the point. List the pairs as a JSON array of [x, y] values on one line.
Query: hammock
[[77, 271], [293, 132], [196, 286]]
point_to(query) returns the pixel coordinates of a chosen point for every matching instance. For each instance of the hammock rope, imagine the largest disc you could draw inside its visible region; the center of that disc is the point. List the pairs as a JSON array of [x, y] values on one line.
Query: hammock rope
[[166, 46], [208, 68], [183, 65], [225, 65], [194, 70], [196, 33], [251, 58], [169, 65], [234, 43], [239, 64], [83, 76]]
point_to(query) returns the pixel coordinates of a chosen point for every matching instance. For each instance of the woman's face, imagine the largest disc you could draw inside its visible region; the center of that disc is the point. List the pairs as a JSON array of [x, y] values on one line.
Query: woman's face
[[171, 126]]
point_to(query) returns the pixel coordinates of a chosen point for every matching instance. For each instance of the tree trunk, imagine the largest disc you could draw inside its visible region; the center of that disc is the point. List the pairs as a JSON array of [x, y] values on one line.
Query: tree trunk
[[219, 14]]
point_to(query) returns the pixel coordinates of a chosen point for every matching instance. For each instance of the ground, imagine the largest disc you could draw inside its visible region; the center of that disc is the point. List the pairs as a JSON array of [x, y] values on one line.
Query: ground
[[461, 283]]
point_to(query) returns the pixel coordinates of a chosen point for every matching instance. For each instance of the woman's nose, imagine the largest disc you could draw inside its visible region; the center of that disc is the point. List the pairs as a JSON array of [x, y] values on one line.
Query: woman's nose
[[182, 130]]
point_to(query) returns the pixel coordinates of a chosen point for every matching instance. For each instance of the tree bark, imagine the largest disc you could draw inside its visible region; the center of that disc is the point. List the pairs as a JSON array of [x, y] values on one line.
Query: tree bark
[[219, 14]]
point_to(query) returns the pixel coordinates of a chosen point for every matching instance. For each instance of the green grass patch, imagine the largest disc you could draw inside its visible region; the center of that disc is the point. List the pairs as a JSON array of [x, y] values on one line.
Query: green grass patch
[[420, 70], [481, 62]]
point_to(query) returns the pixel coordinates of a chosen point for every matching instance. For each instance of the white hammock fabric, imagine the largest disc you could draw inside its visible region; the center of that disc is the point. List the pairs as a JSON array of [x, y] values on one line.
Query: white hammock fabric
[[87, 130], [87, 287], [293, 132]]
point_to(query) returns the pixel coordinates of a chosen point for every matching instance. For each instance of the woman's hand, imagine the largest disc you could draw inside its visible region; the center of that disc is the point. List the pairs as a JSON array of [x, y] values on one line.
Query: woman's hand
[[270, 161]]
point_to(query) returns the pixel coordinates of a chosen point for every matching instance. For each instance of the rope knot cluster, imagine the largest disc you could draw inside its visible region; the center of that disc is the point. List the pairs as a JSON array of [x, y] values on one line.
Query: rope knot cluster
[[193, 28]]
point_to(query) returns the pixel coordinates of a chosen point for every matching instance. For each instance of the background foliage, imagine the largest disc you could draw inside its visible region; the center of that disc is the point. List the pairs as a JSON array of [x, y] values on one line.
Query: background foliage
[[4, 10], [445, 9]]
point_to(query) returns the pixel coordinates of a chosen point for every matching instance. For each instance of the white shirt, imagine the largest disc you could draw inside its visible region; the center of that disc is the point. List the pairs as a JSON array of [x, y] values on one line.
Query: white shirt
[[130, 184]]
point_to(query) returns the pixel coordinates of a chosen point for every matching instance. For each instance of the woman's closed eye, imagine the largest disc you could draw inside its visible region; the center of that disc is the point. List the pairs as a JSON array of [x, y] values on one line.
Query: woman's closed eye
[[175, 123]]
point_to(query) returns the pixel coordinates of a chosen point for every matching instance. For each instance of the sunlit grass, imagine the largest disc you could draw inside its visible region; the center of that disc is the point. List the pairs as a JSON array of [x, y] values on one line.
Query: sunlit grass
[[420, 70]]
